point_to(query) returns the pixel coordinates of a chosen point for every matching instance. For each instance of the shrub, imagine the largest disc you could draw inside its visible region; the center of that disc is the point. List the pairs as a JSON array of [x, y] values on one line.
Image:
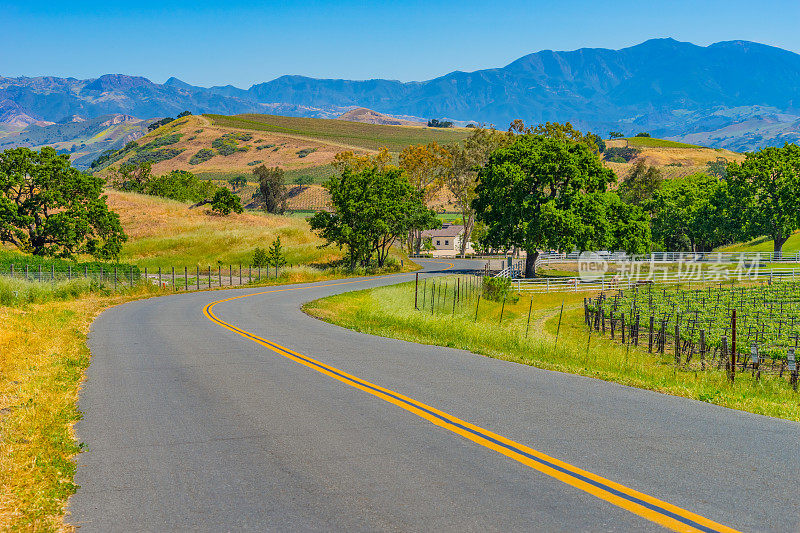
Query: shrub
[[201, 156], [264, 146], [260, 258], [179, 185], [254, 163], [225, 201], [626, 153], [155, 156], [305, 151], [164, 140], [498, 289], [643, 134], [228, 144]]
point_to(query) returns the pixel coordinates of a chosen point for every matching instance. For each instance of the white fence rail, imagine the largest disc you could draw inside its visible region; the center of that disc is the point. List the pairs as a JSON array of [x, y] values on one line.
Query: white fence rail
[[616, 282], [675, 257]]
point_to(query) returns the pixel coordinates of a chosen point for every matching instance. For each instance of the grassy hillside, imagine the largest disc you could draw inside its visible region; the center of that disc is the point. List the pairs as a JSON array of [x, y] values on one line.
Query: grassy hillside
[[167, 233], [343, 133], [674, 159], [764, 244], [652, 142]]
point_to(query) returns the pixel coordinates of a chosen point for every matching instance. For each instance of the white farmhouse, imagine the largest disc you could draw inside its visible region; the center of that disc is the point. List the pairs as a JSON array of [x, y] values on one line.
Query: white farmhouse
[[446, 240]]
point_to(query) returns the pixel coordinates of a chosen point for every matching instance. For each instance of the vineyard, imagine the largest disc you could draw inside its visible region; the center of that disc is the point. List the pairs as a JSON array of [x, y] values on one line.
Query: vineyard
[[739, 328]]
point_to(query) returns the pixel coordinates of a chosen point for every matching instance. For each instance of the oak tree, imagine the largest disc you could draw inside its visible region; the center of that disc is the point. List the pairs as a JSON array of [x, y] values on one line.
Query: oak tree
[[47, 207]]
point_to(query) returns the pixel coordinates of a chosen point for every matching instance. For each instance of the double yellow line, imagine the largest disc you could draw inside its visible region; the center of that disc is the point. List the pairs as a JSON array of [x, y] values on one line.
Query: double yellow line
[[653, 509]]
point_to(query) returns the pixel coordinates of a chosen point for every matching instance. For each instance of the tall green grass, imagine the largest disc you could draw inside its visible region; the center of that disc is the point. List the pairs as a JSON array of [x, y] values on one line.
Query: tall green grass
[[15, 292], [389, 311]]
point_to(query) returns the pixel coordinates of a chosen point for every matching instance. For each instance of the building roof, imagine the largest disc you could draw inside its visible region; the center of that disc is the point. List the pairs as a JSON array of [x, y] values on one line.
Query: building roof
[[447, 230]]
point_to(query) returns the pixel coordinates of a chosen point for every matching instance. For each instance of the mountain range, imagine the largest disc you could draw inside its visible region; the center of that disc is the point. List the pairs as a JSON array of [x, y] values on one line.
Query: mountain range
[[734, 94]]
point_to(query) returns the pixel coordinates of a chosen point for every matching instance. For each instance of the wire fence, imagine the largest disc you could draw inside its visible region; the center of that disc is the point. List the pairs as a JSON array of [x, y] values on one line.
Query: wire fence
[[174, 278]]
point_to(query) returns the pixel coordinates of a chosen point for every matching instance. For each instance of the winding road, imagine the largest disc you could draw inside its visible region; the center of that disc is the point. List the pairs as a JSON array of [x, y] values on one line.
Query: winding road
[[232, 410]]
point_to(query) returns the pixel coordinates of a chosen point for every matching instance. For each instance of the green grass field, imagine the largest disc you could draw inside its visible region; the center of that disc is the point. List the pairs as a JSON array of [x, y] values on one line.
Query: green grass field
[[389, 312], [355, 134], [651, 142], [764, 244]]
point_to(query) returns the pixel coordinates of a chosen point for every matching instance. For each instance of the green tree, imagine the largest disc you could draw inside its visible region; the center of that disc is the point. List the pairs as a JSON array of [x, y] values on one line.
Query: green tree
[[615, 135], [765, 189], [224, 201], [132, 177], [275, 256], [643, 134], [718, 167], [425, 166], [237, 182], [272, 188], [542, 192], [640, 183], [692, 214], [372, 208], [47, 207], [461, 176]]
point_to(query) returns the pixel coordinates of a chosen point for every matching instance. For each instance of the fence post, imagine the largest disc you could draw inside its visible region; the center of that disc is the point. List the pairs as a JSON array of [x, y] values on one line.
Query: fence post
[[26, 272], [52, 272], [197, 267], [69, 271], [476, 307], [650, 337], [530, 307], [240, 273], [185, 278], [160, 284], [416, 290], [677, 342], [250, 274], [622, 327], [219, 274], [558, 329], [12, 270], [146, 279], [733, 346], [230, 275], [115, 277], [173, 279], [85, 271], [209, 276]]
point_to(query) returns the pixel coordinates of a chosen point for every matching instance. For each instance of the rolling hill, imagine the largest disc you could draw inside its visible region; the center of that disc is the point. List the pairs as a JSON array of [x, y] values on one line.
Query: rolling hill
[[218, 147], [83, 139], [734, 94]]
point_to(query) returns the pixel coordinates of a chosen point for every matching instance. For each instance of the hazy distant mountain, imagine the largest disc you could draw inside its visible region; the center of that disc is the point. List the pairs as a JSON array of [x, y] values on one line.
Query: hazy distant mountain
[[734, 94], [84, 139]]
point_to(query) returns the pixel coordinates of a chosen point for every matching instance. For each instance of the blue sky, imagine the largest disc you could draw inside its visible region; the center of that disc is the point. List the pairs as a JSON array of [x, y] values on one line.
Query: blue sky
[[241, 43]]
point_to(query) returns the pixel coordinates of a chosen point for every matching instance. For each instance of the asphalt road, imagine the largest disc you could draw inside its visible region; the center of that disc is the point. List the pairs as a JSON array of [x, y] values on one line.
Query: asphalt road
[[193, 426]]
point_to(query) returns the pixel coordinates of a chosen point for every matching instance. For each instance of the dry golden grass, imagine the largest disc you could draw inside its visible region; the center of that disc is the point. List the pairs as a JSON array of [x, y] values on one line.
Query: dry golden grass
[[285, 156], [167, 233], [661, 156], [43, 355]]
